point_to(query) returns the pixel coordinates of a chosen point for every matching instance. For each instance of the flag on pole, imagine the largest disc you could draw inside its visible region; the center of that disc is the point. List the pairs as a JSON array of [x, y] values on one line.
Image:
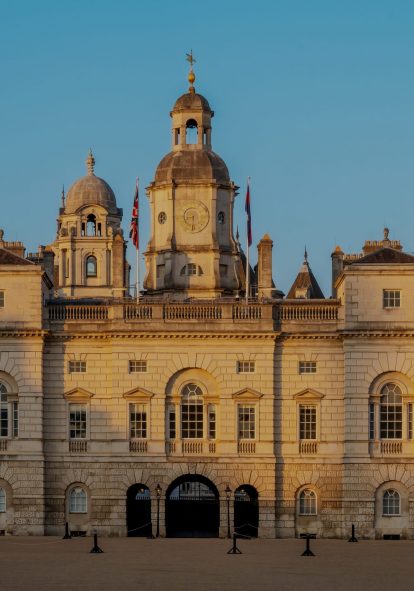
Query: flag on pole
[[133, 232], [249, 217]]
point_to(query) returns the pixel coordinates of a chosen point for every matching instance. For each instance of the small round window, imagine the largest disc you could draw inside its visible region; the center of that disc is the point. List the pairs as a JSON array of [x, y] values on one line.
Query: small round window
[[220, 217], [162, 217]]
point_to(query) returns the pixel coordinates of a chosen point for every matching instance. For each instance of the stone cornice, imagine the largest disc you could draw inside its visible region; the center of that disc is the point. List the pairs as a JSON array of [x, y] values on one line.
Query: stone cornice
[[396, 334], [309, 336], [22, 333], [109, 336]]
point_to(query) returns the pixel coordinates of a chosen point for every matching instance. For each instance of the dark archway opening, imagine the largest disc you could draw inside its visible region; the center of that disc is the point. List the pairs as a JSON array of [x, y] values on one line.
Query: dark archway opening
[[139, 511], [192, 508], [246, 511]]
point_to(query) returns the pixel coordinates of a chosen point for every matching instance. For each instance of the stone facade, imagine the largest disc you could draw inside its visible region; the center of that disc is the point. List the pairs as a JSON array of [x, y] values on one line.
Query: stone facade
[[296, 414]]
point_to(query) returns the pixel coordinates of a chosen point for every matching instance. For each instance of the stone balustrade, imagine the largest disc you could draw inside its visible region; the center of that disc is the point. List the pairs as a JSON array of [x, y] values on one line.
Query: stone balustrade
[[391, 448], [78, 446], [139, 446], [190, 447], [192, 312], [246, 447], [308, 447], [307, 310], [276, 313], [65, 312]]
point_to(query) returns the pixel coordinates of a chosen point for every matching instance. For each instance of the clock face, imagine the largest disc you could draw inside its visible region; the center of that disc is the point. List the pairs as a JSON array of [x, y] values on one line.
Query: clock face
[[193, 216]]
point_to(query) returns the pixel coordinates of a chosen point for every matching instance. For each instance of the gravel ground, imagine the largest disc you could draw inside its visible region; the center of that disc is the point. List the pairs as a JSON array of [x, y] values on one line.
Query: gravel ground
[[36, 563]]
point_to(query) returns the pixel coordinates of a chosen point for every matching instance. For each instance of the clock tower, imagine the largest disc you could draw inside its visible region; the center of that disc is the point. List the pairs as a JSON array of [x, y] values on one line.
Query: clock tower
[[192, 251]]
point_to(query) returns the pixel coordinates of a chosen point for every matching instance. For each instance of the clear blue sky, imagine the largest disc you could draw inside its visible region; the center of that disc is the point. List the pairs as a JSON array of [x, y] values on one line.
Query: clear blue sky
[[314, 99]]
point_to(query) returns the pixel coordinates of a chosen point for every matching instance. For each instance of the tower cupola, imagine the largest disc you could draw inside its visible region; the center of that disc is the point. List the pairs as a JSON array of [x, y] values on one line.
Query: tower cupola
[[192, 252]]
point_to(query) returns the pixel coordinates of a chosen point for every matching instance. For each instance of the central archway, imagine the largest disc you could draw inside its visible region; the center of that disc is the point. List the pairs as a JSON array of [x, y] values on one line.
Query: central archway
[[192, 508]]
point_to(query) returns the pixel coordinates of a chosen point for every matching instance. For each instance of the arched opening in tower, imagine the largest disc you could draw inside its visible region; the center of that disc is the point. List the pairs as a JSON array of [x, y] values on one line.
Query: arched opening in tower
[[191, 132]]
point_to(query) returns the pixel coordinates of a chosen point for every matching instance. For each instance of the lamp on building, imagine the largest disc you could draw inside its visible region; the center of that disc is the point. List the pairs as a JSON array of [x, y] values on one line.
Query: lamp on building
[[158, 491], [228, 495]]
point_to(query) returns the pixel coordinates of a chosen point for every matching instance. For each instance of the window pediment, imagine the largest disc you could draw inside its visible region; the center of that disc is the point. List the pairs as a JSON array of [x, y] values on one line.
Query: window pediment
[[78, 394], [247, 394], [138, 394], [309, 394]]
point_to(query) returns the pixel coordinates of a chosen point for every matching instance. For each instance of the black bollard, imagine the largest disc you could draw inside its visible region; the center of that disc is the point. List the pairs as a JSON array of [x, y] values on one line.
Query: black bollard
[[234, 549], [96, 549], [67, 535], [308, 551], [353, 537]]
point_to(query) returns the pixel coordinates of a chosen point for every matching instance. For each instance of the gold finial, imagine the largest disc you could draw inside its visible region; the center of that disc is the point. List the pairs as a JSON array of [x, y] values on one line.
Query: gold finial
[[63, 196], [90, 162], [191, 75]]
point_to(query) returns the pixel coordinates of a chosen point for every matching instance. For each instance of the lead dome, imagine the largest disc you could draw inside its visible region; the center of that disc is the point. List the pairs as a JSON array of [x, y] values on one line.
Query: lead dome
[[192, 165], [90, 190], [190, 101]]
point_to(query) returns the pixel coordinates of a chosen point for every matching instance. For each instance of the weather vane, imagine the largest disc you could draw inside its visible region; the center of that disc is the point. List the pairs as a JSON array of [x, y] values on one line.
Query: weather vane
[[190, 58], [191, 75]]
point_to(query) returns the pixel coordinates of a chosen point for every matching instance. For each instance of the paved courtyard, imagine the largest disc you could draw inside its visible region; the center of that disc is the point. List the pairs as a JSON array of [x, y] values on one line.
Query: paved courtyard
[[187, 564]]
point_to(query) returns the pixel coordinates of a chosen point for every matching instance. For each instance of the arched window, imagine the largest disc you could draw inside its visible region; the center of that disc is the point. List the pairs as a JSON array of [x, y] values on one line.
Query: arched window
[[78, 500], [191, 412], [91, 266], [9, 413], [391, 411], [391, 503], [91, 225], [191, 130], [2, 500], [307, 502]]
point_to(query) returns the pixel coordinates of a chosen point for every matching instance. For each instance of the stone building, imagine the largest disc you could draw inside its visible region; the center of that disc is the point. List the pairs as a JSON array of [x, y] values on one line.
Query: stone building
[[192, 412]]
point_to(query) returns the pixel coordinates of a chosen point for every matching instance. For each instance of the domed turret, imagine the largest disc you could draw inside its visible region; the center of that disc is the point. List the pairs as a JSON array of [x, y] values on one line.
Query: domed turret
[[89, 247], [90, 190]]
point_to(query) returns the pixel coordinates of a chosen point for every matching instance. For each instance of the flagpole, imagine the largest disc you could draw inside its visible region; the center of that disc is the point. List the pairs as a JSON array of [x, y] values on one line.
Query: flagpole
[[248, 241], [137, 243], [137, 284], [247, 271]]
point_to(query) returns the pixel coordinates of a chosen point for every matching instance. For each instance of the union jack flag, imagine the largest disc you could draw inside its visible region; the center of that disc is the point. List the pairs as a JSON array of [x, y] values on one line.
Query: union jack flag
[[249, 216], [133, 232]]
